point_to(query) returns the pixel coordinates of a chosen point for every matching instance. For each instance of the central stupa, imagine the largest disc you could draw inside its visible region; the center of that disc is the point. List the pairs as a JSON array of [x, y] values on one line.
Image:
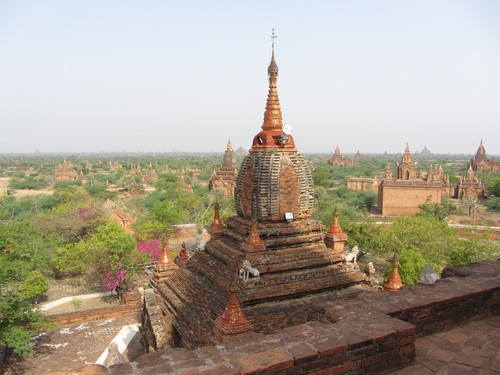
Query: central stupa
[[262, 268]]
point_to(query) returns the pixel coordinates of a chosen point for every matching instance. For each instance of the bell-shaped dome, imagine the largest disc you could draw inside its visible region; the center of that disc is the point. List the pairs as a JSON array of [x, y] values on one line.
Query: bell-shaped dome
[[271, 184]]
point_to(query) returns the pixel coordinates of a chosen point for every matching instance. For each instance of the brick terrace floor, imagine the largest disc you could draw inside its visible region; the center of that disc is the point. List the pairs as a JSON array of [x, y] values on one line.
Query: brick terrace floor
[[71, 347], [473, 348]]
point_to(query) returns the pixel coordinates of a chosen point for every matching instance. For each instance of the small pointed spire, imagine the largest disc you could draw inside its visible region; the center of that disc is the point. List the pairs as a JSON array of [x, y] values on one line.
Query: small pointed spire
[[163, 267], [335, 227], [217, 225], [388, 171], [407, 155], [233, 320], [394, 281], [164, 258], [253, 242], [229, 145], [217, 220], [481, 150], [335, 238]]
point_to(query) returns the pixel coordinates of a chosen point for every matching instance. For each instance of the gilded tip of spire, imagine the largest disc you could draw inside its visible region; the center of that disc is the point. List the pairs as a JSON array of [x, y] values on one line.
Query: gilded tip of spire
[[273, 67]]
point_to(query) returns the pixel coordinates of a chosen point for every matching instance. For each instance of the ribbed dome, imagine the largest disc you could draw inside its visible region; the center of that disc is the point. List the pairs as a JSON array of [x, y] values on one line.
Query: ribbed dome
[[272, 184]]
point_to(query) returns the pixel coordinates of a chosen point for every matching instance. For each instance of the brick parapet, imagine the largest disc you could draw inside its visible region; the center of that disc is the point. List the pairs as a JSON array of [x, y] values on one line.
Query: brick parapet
[[371, 334], [96, 314]]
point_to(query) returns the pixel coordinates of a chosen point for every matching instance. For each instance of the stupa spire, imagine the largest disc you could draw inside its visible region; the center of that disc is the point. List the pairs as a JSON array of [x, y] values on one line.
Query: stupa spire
[[164, 258], [335, 238], [216, 227], [229, 145], [272, 135], [407, 155], [233, 320], [335, 227], [272, 115], [481, 150]]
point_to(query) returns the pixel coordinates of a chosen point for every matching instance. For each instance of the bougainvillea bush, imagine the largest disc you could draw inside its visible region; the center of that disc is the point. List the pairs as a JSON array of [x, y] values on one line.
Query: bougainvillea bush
[[152, 247]]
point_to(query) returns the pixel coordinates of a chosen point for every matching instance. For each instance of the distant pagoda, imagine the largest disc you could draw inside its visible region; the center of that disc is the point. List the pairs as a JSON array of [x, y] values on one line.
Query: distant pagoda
[[224, 180], [65, 172], [425, 152], [481, 162], [261, 268], [338, 159]]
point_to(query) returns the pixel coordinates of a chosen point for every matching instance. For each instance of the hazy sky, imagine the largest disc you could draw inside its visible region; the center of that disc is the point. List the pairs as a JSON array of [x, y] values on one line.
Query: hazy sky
[[162, 75]]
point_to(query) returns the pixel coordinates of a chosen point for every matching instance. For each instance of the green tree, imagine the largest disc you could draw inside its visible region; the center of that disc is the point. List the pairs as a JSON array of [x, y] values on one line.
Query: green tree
[[111, 249], [493, 204], [440, 211], [321, 175], [18, 322], [71, 259], [33, 285], [26, 183], [436, 243], [167, 212]]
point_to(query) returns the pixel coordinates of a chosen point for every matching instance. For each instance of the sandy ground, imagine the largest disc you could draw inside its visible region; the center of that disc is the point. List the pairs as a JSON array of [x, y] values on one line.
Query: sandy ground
[[4, 185]]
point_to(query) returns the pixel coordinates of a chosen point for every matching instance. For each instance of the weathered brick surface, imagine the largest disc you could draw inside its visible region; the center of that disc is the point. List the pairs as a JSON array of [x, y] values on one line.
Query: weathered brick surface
[[369, 335]]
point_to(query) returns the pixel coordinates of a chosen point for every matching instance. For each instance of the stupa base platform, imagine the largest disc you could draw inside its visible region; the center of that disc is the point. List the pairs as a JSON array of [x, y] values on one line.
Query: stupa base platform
[[192, 304], [295, 271]]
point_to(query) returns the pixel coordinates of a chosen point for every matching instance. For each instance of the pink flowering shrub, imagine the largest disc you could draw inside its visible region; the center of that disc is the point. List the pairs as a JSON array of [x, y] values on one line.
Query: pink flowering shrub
[[114, 281], [152, 247]]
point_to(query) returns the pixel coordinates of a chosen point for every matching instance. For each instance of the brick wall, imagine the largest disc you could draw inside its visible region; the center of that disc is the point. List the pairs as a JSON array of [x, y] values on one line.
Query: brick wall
[[360, 184], [132, 304], [369, 335], [406, 199]]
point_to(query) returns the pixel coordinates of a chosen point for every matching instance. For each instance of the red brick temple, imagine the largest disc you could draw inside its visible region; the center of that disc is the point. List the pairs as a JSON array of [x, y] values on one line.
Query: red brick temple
[[264, 269], [224, 180], [481, 162]]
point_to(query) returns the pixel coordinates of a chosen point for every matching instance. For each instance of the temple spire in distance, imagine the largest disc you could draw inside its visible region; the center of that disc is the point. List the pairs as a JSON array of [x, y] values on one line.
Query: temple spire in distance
[[229, 145]]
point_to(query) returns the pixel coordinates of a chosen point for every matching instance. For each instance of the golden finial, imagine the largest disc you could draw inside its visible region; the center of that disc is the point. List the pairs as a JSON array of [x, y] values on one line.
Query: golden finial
[[272, 70]]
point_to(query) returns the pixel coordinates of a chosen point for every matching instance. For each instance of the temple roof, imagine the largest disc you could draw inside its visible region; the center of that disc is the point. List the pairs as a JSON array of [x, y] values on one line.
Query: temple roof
[[481, 150], [407, 155]]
